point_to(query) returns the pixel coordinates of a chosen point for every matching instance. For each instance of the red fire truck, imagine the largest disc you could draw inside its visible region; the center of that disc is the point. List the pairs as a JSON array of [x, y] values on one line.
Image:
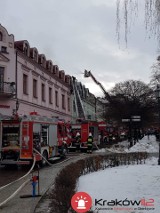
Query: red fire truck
[[20, 136], [104, 135], [108, 133], [83, 127]]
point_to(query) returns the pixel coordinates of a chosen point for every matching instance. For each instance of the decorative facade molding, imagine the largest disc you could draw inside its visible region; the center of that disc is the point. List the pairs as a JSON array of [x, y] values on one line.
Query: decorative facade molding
[[35, 74], [3, 58], [56, 86], [43, 78], [24, 67], [50, 82]]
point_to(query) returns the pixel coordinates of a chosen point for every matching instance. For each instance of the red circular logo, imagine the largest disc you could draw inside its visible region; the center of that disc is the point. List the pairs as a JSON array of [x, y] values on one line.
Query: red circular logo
[[81, 202]]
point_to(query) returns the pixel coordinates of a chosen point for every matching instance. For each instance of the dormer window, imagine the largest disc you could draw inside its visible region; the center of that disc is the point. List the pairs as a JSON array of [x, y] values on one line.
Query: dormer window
[[25, 49], [4, 49], [61, 75], [68, 79], [49, 65], [1, 36], [42, 60], [56, 70], [35, 55]]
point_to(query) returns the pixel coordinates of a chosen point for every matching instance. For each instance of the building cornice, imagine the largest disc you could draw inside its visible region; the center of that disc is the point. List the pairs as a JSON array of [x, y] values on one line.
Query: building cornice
[[35, 74]]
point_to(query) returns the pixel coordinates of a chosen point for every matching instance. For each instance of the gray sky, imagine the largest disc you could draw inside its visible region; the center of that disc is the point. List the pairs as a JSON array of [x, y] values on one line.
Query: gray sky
[[81, 34]]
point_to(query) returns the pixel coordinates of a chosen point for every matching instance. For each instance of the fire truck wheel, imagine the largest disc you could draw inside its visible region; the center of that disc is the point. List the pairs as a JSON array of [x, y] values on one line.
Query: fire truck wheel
[[43, 162]]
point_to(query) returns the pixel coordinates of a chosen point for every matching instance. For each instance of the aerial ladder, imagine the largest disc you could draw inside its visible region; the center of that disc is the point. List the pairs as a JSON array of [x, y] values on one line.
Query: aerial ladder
[[89, 74], [80, 112]]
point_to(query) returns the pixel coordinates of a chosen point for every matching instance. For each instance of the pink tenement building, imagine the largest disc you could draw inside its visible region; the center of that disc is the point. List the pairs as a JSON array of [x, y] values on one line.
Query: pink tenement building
[[29, 82]]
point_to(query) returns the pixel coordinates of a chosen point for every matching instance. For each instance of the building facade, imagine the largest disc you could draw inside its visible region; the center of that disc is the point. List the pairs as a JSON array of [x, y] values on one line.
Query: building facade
[[29, 82], [85, 104]]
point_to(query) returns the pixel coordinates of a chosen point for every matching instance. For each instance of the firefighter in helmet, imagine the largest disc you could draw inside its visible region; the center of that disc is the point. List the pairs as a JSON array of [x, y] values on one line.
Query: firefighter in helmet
[[78, 140], [90, 143]]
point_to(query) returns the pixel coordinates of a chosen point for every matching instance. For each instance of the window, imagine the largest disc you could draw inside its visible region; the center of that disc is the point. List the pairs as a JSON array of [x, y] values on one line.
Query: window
[[1, 74], [69, 104], [56, 99], [3, 49], [34, 88], [25, 84], [43, 92], [35, 55], [1, 79], [63, 101], [1, 36], [50, 95], [26, 49], [43, 61], [74, 106]]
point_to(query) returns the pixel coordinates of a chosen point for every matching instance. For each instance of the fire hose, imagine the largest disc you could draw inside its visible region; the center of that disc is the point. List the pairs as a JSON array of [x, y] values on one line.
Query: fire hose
[[14, 194], [34, 161], [42, 157]]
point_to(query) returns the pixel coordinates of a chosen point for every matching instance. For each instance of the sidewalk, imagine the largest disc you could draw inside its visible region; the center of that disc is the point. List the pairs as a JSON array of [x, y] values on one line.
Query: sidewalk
[[47, 177]]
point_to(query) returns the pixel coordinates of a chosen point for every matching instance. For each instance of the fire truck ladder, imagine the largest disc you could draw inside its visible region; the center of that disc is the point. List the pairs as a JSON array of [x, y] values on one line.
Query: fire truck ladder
[[89, 74], [78, 101]]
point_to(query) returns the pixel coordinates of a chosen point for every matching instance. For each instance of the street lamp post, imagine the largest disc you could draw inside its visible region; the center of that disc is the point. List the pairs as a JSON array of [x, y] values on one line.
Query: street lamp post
[[157, 93]]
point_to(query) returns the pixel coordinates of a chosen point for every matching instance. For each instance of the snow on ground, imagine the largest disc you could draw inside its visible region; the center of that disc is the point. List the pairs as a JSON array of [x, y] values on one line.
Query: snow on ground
[[149, 145], [126, 183]]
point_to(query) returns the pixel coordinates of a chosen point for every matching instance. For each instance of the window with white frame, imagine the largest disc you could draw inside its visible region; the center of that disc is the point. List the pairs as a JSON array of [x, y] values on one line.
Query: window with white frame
[[35, 88], [56, 99], [69, 108], [63, 101], [50, 95], [25, 84], [43, 92]]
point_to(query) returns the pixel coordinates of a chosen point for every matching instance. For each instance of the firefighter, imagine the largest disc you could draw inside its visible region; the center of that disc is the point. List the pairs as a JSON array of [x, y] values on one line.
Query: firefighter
[[78, 140], [90, 143], [65, 147]]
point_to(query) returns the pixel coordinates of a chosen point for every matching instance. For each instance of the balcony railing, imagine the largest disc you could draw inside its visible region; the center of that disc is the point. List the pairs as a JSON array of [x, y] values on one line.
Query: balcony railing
[[7, 89]]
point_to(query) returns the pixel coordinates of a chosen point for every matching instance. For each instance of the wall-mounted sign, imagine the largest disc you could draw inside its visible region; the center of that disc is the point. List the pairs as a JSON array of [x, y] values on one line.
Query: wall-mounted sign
[[4, 106], [125, 120]]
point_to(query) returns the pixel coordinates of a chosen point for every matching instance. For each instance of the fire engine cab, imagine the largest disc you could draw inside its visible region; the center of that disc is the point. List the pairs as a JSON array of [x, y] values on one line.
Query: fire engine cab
[[83, 128], [108, 133], [20, 136]]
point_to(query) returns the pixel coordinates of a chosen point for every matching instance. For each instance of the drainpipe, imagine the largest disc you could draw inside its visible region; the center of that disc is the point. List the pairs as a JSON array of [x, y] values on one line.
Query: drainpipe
[[16, 80]]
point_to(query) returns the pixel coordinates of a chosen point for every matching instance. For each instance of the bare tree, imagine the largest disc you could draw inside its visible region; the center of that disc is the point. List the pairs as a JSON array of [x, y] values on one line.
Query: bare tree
[[155, 77], [132, 98], [133, 90], [126, 9]]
